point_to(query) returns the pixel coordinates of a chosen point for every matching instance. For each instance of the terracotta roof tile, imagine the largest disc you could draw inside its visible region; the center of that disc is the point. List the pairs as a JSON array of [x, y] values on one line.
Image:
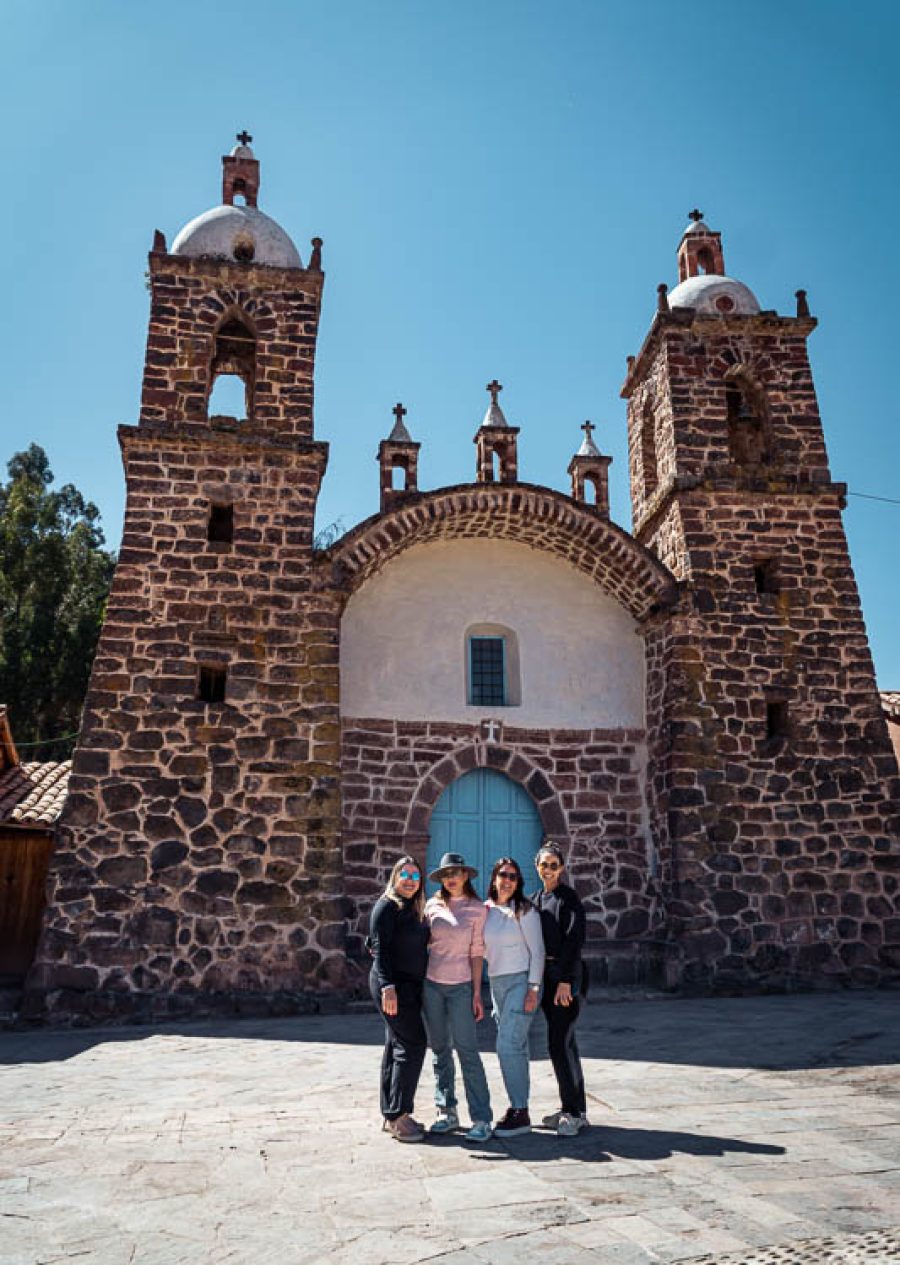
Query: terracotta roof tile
[[34, 793]]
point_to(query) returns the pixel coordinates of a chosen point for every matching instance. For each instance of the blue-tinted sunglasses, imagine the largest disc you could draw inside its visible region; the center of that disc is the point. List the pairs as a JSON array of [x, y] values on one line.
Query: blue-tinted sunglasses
[[413, 875]]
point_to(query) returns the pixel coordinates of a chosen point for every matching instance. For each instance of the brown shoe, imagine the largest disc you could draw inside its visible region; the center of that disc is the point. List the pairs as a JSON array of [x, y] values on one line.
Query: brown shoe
[[404, 1129]]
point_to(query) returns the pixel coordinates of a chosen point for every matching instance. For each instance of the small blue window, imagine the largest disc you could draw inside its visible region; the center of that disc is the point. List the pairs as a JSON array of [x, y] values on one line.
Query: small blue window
[[487, 672]]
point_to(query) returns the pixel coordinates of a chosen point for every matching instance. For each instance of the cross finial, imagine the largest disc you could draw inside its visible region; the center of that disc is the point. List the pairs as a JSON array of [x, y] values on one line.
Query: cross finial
[[495, 388], [588, 428], [399, 412], [244, 137], [695, 215]]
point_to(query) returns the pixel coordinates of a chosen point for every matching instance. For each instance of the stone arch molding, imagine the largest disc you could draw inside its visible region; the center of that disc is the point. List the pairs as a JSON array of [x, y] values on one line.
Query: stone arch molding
[[523, 512], [486, 755]]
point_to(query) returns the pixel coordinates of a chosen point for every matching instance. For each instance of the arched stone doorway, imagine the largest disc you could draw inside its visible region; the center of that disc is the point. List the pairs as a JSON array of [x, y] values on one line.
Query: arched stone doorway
[[485, 815]]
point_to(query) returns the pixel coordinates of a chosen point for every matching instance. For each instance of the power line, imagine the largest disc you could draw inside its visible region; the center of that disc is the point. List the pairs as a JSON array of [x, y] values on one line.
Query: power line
[[47, 742], [889, 500]]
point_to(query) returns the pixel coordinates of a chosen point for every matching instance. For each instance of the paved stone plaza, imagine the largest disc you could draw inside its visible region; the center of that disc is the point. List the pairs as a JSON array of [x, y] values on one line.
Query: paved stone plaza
[[721, 1128]]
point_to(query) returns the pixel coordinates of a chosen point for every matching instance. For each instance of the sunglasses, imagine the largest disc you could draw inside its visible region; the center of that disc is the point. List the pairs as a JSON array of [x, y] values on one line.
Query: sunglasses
[[508, 874], [549, 865], [412, 875]]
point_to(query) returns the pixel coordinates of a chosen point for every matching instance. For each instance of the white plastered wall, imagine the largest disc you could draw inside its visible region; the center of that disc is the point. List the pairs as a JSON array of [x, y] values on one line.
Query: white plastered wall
[[403, 639]]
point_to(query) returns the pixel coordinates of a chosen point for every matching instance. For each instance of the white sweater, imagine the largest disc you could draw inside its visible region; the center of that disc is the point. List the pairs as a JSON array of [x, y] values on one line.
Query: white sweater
[[512, 945]]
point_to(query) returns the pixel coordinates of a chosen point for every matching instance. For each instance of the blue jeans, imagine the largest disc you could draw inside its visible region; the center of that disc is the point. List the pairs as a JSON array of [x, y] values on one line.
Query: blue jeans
[[451, 1025], [508, 995]]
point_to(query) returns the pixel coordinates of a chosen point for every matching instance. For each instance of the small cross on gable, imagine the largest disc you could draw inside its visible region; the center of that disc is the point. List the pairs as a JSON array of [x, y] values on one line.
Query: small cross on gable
[[399, 412], [495, 388], [244, 137], [695, 215], [588, 428]]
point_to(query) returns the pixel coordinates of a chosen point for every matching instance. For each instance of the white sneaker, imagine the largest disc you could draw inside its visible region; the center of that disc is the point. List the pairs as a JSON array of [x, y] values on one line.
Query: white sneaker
[[551, 1121], [570, 1126], [480, 1131], [446, 1122]]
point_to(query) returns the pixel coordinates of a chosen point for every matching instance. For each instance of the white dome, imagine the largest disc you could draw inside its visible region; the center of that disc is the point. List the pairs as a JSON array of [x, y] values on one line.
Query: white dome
[[240, 233], [720, 295]]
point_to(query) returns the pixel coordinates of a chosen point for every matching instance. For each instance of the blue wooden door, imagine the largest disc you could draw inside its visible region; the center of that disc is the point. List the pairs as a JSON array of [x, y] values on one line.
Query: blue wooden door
[[484, 815]]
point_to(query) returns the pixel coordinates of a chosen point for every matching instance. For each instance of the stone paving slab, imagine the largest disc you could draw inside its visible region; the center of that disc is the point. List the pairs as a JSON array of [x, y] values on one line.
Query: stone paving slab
[[722, 1131]]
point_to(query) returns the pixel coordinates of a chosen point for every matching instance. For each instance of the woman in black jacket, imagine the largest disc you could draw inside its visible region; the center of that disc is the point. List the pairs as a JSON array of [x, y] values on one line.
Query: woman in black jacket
[[398, 936], [563, 925]]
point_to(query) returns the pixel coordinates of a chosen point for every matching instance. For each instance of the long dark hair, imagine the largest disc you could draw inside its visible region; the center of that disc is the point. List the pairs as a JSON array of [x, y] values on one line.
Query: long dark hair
[[518, 900]]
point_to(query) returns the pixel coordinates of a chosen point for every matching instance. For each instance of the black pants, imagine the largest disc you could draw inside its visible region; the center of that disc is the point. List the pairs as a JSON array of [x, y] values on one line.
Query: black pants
[[563, 1047], [404, 1048]]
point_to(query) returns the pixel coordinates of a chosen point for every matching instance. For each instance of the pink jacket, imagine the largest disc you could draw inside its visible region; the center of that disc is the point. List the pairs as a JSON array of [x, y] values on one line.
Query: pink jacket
[[457, 936]]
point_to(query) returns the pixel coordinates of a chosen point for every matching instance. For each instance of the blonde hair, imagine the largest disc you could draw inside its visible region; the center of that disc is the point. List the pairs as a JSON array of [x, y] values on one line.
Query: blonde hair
[[390, 891]]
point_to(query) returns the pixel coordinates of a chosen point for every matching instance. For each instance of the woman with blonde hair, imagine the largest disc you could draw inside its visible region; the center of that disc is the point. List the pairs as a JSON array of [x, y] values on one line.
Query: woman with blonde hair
[[398, 938]]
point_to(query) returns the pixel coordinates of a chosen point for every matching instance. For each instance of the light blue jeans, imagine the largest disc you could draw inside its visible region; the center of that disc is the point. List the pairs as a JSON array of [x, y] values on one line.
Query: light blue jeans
[[451, 1025], [508, 995]]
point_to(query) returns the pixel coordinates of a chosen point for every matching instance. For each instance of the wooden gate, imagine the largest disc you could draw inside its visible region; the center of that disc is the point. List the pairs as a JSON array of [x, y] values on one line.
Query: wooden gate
[[24, 858]]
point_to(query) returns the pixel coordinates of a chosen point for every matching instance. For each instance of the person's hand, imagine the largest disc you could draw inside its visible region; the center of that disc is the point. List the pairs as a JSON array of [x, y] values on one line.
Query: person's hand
[[531, 1001], [389, 1000], [563, 995], [477, 1006]]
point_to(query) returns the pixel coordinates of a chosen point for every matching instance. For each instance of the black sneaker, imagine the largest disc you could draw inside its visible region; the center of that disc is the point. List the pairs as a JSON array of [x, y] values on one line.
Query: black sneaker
[[516, 1120]]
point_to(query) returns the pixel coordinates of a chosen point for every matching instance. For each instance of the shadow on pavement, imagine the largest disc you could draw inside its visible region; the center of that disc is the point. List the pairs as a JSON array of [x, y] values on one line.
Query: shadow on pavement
[[781, 1033], [602, 1145]]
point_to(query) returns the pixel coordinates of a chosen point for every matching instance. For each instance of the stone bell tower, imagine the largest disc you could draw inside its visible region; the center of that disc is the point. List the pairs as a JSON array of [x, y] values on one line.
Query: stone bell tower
[[773, 785], [198, 861]]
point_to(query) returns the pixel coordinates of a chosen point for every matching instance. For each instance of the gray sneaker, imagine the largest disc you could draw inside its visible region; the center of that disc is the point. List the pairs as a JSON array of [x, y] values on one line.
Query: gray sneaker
[[570, 1125], [480, 1131], [446, 1122]]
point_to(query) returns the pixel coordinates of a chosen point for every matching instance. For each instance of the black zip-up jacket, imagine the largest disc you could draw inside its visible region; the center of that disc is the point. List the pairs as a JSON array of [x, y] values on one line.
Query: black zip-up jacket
[[399, 943], [564, 926]]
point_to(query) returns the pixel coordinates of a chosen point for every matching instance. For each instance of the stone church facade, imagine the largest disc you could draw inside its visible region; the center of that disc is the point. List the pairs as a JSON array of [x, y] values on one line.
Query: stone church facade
[[689, 708]]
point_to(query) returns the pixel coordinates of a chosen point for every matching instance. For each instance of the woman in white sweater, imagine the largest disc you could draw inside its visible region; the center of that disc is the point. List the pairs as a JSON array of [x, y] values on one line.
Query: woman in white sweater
[[514, 948]]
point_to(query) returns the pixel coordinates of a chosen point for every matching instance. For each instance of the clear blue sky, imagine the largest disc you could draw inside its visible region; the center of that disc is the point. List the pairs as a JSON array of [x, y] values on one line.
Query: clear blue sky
[[500, 185]]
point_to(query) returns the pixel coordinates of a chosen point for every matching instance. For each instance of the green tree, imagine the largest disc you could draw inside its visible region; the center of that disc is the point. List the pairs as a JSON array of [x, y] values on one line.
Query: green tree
[[54, 580]]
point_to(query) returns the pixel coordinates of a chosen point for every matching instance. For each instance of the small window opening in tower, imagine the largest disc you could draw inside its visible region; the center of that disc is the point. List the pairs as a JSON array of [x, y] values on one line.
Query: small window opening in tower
[[777, 720], [240, 199], [705, 263], [220, 527], [399, 478], [496, 464], [766, 577], [228, 397], [211, 683], [591, 489], [234, 355], [648, 451], [745, 413]]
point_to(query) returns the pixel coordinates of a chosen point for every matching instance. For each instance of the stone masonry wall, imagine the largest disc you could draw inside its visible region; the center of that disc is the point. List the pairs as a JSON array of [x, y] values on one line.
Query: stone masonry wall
[[190, 300], [198, 864], [588, 786], [782, 866]]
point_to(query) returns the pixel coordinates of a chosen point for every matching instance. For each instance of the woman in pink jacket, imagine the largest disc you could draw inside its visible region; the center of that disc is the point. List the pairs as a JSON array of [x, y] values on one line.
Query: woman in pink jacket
[[452, 997]]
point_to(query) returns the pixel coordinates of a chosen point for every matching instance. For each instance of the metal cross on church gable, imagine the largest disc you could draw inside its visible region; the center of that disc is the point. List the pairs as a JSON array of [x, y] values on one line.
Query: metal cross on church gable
[[399, 412], [244, 137], [588, 428], [495, 388]]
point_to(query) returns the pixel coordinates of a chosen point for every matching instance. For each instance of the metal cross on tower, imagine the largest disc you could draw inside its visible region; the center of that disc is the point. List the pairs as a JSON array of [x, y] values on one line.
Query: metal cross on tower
[[399, 412], [244, 137], [588, 428], [695, 215], [495, 388]]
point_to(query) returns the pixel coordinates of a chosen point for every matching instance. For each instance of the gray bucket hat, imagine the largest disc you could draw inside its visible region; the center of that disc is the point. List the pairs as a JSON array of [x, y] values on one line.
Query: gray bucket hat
[[452, 861]]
